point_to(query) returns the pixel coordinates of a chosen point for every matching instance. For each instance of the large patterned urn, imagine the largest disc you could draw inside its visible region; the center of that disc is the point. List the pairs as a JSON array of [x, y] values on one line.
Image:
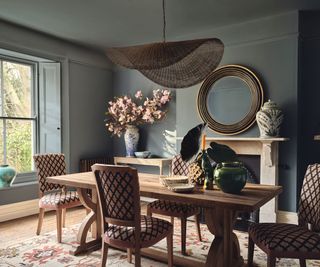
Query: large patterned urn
[[269, 120], [131, 139]]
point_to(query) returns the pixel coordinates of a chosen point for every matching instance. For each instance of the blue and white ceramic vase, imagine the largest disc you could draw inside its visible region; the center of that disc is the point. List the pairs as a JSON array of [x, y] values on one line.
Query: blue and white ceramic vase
[[131, 139], [7, 175], [269, 120]]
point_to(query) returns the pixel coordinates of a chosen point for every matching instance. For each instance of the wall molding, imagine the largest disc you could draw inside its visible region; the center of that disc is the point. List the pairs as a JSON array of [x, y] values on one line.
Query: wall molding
[[19, 210]]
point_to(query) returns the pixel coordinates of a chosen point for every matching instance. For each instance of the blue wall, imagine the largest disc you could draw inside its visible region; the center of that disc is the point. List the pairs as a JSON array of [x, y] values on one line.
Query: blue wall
[[268, 46], [86, 87]]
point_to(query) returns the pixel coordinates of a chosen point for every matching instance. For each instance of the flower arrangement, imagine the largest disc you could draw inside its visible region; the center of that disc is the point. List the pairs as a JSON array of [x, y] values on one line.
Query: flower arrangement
[[126, 110]]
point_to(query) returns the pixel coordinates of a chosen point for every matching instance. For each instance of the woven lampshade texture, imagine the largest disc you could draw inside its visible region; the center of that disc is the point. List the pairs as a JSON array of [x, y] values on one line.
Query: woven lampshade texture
[[171, 64]]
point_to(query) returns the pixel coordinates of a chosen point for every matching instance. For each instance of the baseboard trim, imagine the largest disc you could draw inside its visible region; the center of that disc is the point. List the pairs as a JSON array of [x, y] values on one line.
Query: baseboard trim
[[19, 210], [287, 217]]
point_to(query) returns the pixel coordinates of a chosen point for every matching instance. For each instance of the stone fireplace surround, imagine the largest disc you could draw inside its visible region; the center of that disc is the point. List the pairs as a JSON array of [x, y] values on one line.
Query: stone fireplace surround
[[268, 151]]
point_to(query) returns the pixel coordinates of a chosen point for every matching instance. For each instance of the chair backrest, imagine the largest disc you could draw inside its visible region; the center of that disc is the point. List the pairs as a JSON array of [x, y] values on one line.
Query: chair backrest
[[119, 194], [309, 205], [49, 165], [179, 167]]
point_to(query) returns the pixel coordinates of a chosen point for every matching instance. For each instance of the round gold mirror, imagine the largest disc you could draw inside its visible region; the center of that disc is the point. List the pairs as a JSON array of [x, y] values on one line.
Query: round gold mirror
[[229, 99]]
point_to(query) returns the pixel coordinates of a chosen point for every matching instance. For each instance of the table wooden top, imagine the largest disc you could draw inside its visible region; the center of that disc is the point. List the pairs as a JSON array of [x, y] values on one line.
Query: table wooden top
[[252, 197]]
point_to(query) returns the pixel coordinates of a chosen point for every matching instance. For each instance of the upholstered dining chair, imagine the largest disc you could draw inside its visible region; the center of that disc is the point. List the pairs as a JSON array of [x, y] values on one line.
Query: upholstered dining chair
[[123, 225], [53, 196], [281, 240], [174, 209]]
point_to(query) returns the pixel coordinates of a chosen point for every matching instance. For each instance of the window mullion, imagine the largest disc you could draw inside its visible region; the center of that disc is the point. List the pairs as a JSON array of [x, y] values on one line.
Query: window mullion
[[1, 89], [5, 141], [1, 110], [19, 118]]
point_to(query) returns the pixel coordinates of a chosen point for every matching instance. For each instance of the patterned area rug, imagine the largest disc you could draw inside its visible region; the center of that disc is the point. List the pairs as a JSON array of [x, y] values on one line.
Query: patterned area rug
[[44, 251]]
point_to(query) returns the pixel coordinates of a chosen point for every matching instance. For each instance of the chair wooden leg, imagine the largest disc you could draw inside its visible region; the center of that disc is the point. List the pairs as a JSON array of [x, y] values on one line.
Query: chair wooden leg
[[40, 220], [172, 220], [183, 235], [129, 255], [149, 211], [104, 254], [302, 262], [197, 222], [59, 224], [64, 211], [137, 258], [170, 249], [271, 261], [250, 252]]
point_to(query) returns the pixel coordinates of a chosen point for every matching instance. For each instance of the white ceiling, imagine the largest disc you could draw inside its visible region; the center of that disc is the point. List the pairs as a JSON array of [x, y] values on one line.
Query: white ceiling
[[103, 23]]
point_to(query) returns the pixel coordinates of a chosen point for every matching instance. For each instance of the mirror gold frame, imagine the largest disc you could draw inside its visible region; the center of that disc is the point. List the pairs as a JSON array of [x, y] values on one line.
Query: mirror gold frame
[[256, 91]]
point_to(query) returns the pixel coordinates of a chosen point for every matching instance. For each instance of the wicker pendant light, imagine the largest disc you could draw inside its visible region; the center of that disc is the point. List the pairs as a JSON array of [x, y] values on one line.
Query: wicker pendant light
[[171, 64]]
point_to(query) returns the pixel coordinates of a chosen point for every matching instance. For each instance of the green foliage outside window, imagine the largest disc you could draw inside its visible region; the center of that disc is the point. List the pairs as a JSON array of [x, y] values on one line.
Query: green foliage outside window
[[16, 101]]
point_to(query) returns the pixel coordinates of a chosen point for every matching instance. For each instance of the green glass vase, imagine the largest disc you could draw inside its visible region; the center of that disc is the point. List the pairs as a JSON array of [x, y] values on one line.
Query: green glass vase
[[230, 177]]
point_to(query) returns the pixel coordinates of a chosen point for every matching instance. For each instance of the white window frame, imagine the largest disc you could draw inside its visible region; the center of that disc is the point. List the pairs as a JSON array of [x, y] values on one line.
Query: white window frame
[[26, 176], [34, 62]]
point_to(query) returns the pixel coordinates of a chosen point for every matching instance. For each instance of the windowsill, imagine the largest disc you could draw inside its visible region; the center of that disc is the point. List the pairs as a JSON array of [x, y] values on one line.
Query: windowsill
[[25, 178], [22, 179], [14, 186]]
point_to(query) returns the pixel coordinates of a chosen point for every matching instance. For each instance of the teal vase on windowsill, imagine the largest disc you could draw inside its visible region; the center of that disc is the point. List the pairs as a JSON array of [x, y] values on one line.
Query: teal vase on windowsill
[[7, 174]]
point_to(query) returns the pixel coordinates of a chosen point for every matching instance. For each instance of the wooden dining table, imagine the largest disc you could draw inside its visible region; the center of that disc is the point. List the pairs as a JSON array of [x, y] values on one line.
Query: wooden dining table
[[220, 209]]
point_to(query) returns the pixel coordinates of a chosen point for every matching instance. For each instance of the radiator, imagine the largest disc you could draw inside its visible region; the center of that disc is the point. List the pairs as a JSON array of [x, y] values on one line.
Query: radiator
[[85, 164]]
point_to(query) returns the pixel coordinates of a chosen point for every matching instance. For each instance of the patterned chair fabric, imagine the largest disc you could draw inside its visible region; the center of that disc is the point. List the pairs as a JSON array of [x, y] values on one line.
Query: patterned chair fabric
[[281, 237], [61, 199], [309, 207], [172, 208], [49, 165], [118, 191], [119, 196], [152, 230], [53, 196], [293, 241], [179, 167]]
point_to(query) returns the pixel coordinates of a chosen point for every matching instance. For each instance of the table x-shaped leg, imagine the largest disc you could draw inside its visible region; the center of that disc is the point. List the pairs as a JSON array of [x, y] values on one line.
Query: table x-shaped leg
[[93, 218]]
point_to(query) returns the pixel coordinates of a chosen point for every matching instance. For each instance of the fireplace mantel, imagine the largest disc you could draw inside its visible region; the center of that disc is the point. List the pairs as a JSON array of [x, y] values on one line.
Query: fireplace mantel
[[264, 147], [268, 150]]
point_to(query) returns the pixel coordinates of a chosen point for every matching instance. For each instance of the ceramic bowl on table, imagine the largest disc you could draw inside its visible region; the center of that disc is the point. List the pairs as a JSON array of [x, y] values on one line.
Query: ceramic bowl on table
[[177, 183], [173, 180], [142, 154]]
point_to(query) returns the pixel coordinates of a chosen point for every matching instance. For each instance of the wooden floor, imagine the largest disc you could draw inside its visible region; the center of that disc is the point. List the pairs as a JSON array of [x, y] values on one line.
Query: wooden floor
[[24, 228]]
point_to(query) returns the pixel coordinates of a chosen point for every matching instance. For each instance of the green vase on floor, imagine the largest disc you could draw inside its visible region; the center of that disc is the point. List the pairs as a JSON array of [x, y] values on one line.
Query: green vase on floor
[[7, 175]]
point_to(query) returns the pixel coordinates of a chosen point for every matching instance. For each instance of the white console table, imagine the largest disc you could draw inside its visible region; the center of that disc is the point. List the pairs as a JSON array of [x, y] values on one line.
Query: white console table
[[158, 162]]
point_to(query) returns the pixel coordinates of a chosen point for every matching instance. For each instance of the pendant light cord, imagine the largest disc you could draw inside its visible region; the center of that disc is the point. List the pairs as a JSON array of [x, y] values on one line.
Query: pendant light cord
[[164, 20]]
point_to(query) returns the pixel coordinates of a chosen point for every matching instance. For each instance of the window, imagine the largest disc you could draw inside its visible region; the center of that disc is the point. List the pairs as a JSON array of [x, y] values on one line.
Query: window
[[29, 111], [18, 124]]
